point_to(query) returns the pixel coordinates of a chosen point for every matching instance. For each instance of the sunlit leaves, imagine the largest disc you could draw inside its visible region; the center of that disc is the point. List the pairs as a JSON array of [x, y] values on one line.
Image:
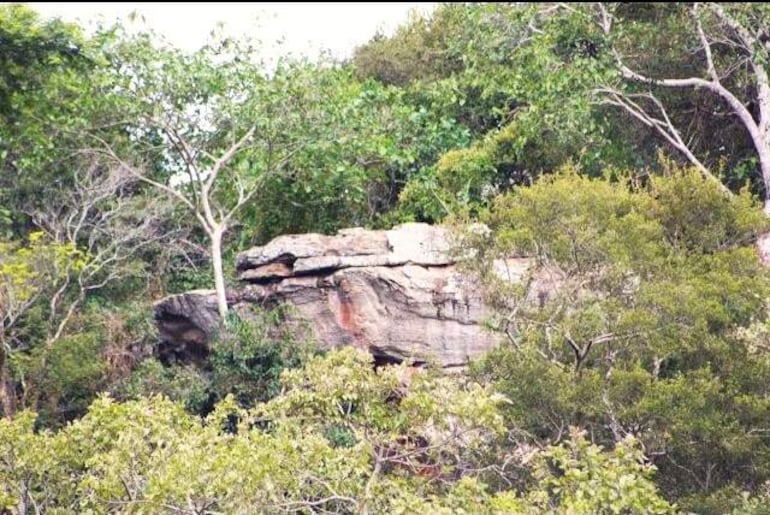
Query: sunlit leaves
[[29, 270], [411, 432]]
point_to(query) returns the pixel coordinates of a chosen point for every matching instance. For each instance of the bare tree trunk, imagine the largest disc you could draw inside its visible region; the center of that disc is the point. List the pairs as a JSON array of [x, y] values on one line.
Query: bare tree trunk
[[763, 241], [762, 144], [763, 151], [219, 275], [7, 393]]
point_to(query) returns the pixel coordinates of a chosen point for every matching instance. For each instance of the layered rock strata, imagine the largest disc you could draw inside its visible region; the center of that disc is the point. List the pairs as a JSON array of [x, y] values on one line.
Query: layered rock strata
[[397, 293]]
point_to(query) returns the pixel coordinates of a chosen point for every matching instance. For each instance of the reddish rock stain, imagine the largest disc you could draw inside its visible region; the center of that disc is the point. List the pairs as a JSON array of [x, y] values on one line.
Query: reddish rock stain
[[347, 317]]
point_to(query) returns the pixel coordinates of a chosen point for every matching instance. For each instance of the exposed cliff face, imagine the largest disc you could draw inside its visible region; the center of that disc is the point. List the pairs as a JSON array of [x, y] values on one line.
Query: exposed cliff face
[[395, 293]]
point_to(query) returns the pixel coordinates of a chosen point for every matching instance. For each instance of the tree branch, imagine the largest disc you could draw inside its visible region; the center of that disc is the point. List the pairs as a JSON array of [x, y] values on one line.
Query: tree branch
[[751, 45], [662, 126], [712, 71]]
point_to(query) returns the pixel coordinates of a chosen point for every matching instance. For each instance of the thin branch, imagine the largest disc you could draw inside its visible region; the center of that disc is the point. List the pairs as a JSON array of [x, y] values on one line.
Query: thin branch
[[224, 159], [247, 196], [109, 152], [694, 82], [712, 71], [662, 126], [606, 21]]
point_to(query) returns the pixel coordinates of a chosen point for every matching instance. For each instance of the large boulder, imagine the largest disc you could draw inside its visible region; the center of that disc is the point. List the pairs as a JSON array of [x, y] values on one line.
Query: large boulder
[[396, 293]]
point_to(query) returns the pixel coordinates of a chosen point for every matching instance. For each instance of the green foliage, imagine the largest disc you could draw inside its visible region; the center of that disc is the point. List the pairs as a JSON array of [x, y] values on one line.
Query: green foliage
[[645, 324], [749, 505], [580, 478], [184, 276], [33, 52], [63, 377], [35, 467], [465, 180], [151, 456], [629, 324], [358, 144], [59, 101], [421, 49], [74, 372], [54, 87], [542, 74], [28, 274], [657, 39], [521, 78], [244, 361], [26, 270], [183, 384], [249, 356], [701, 219]]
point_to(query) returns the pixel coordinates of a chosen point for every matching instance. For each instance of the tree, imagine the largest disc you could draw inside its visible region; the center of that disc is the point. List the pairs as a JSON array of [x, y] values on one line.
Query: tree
[[89, 235], [730, 42], [733, 49], [520, 78], [102, 216], [34, 53], [579, 478], [27, 274], [273, 153], [213, 118], [629, 323], [421, 49], [362, 143], [44, 98], [246, 361], [554, 75]]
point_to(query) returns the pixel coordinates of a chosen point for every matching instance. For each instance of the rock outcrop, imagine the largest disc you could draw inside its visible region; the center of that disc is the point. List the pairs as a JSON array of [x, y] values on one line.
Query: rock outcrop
[[396, 293]]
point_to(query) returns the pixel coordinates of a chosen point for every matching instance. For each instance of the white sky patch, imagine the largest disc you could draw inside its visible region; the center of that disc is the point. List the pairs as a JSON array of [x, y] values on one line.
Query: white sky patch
[[304, 28]]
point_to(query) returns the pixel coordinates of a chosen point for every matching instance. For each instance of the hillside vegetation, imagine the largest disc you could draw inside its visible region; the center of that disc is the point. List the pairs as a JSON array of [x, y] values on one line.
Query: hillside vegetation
[[626, 146]]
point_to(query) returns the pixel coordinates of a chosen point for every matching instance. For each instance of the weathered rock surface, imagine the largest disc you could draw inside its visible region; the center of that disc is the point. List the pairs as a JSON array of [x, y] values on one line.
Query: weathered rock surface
[[303, 254], [396, 293]]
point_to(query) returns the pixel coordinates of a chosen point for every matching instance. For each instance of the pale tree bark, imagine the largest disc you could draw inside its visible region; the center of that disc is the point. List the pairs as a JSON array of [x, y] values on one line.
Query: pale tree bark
[[198, 201], [219, 275], [660, 123], [215, 221], [7, 393]]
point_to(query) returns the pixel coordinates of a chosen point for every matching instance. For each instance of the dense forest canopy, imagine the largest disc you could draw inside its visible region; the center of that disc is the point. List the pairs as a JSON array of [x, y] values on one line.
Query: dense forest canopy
[[624, 147]]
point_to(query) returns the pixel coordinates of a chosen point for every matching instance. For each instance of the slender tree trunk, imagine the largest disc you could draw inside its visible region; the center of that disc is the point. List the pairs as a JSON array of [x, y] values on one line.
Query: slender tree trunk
[[219, 275], [7, 393], [763, 241], [763, 151]]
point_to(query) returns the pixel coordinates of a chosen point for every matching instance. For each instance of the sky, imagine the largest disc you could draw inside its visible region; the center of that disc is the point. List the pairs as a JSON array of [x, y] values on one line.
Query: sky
[[306, 28]]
